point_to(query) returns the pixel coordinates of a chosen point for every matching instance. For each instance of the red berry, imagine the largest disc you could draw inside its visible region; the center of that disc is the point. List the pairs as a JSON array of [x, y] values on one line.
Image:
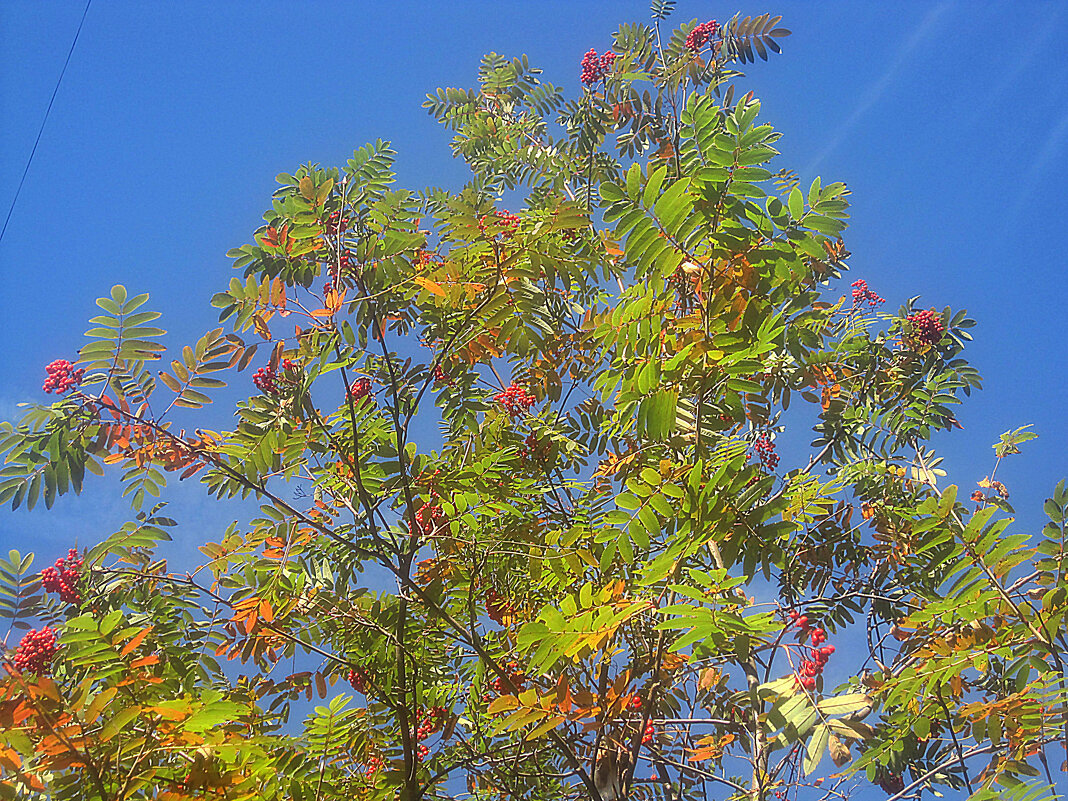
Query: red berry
[[360, 389], [923, 329], [62, 376], [862, 294], [765, 450], [440, 376], [64, 577], [36, 651], [697, 38], [595, 67], [515, 399], [265, 379], [358, 679]]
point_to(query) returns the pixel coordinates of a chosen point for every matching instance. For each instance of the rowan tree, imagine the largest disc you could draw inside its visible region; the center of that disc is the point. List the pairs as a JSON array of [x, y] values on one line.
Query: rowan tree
[[524, 531]]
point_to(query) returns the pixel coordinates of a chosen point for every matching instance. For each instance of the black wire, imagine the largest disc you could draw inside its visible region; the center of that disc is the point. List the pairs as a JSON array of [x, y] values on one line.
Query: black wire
[[55, 91]]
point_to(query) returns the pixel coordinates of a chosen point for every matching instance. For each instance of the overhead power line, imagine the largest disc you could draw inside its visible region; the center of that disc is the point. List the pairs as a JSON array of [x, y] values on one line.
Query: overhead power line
[[55, 91]]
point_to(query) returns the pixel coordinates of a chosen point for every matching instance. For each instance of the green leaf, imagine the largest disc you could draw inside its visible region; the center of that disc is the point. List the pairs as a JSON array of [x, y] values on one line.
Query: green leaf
[[817, 744]]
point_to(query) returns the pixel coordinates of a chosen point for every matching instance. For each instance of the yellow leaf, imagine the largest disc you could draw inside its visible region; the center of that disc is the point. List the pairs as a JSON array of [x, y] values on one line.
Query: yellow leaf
[[430, 286], [97, 705], [503, 704]]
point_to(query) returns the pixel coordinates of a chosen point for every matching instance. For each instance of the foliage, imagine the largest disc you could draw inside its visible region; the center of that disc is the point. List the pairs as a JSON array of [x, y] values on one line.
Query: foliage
[[592, 579]]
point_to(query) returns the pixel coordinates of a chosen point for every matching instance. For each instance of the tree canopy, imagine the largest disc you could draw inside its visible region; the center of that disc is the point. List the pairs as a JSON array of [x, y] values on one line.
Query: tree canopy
[[523, 529]]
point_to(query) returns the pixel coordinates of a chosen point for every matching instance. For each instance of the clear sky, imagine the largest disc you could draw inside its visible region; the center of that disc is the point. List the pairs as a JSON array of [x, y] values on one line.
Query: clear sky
[[948, 120]]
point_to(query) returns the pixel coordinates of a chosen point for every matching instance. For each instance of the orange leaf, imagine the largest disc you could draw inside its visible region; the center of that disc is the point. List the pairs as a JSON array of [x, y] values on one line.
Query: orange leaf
[[137, 640], [145, 661]]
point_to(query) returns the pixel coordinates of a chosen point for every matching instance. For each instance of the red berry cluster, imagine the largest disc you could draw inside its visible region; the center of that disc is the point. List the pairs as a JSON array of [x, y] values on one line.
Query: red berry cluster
[[515, 675], [648, 733], [862, 295], [360, 389], [817, 656], [36, 651], [534, 449], [515, 399], [62, 376], [497, 606], [373, 765], [264, 379], [925, 329], [428, 519], [765, 450], [268, 380], [891, 783], [427, 722], [337, 223], [509, 221], [595, 67], [440, 376], [63, 578], [635, 702], [358, 679], [700, 35]]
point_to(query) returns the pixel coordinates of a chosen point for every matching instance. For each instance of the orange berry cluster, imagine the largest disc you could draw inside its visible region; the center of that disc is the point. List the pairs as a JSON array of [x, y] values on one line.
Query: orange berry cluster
[[700, 35], [765, 450], [925, 328], [63, 578], [358, 679], [817, 656], [595, 67], [862, 295], [36, 651], [515, 399], [62, 376]]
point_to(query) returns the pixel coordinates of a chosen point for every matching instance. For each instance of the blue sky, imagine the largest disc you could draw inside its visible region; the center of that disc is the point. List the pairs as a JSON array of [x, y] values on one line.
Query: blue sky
[[948, 120]]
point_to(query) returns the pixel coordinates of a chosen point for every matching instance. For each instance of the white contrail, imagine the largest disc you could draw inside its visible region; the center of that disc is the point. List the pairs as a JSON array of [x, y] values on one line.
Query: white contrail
[[1050, 149], [877, 89]]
